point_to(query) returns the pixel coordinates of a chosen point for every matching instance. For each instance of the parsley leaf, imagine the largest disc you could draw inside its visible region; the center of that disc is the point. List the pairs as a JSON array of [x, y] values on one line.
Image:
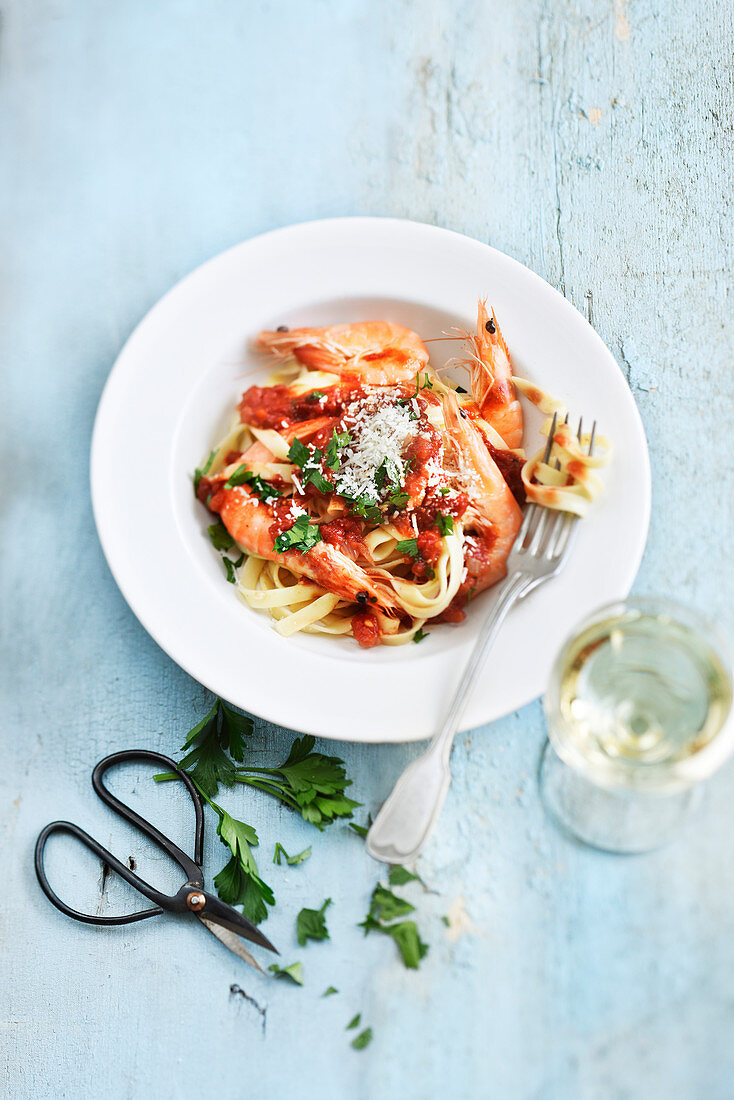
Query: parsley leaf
[[354, 1022], [445, 524], [199, 473], [293, 973], [220, 536], [303, 536], [298, 453], [411, 946], [363, 1039], [239, 883], [444, 490], [308, 781], [292, 861], [409, 547], [398, 498], [316, 395], [400, 875], [365, 508], [329, 991], [311, 924], [230, 566], [259, 487], [313, 474], [219, 732], [385, 907], [420, 634], [362, 830], [338, 441]]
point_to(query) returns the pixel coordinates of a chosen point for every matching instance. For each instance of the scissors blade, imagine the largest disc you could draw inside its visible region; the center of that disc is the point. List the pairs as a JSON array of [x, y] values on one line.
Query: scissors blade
[[218, 912], [233, 942]]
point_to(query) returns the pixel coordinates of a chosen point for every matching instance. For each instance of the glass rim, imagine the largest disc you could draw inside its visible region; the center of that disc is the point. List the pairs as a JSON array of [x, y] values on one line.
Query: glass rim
[[663, 776]]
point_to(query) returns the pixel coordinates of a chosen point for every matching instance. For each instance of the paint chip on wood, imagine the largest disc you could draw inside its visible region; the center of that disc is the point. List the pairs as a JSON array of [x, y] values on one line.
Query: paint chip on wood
[[459, 921], [621, 22]]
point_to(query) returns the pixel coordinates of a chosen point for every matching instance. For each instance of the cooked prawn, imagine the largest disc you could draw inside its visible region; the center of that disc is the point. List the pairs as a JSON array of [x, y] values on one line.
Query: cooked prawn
[[493, 511], [491, 378], [379, 353], [248, 521]]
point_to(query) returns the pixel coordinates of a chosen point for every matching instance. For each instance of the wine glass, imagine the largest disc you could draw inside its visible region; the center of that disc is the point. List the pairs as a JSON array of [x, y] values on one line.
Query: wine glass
[[639, 713]]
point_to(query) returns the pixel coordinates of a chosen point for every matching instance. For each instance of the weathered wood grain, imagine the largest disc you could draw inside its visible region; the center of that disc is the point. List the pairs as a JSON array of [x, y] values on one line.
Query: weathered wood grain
[[593, 142]]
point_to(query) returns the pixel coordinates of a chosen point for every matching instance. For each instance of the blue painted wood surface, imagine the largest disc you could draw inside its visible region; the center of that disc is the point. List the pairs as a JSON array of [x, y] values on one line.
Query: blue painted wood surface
[[592, 141]]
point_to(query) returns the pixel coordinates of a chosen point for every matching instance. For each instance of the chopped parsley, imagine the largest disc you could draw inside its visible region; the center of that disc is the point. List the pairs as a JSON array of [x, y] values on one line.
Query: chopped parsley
[[385, 907], [310, 462], [365, 509], [387, 471], [400, 875], [220, 536], [444, 490], [292, 973], [292, 861], [397, 499], [420, 634], [311, 924], [298, 453], [303, 536], [363, 1039], [427, 384], [409, 547], [330, 991], [338, 441], [199, 473], [316, 395], [230, 567], [257, 485], [354, 1022], [445, 524]]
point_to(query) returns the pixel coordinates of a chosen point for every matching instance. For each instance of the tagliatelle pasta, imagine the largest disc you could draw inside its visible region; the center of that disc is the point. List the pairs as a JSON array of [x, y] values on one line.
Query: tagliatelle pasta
[[362, 495]]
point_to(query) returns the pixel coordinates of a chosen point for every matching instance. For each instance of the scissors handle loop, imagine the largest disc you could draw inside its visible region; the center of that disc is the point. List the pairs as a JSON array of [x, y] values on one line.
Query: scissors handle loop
[[191, 868]]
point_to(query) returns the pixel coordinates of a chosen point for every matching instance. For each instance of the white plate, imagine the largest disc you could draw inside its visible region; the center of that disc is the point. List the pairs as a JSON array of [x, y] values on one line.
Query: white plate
[[171, 394]]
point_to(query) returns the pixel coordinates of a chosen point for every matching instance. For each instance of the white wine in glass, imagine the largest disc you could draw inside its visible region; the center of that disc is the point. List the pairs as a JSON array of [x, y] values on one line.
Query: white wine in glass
[[638, 710]]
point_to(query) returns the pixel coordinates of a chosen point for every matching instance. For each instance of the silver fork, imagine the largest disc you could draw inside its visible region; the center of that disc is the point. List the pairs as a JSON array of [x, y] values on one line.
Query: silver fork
[[539, 552]]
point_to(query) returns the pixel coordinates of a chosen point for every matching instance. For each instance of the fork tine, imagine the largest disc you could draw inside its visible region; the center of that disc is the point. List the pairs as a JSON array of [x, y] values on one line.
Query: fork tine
[[537, 538], [530, 511], [581, 424], [591, 438], [549, 444], [558, 543]]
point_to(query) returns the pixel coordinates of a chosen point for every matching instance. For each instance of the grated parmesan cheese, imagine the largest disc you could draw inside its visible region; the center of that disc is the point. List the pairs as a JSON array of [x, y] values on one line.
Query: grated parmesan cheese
[[381, 427]]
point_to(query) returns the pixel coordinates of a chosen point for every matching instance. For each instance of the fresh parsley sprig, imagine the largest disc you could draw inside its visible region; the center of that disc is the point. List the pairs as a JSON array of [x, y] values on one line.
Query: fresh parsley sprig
[[307, 781], [445, 524], [239, 882], [216, 745]]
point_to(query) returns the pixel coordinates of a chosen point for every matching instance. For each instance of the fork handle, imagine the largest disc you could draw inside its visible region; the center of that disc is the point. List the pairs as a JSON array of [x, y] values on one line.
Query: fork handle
[[410, 812]]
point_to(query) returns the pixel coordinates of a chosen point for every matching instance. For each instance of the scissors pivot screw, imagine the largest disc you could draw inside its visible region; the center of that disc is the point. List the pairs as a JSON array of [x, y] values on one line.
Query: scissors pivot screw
[[195, 901]]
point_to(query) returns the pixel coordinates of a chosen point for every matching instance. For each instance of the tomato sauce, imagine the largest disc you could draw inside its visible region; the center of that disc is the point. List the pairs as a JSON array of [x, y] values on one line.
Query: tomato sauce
[[269, 406], [346, 534], [366, 629], [510, 466]]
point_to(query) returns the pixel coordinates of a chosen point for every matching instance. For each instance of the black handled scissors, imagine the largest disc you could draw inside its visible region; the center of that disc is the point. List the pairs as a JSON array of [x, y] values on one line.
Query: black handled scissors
[[222, 920]]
